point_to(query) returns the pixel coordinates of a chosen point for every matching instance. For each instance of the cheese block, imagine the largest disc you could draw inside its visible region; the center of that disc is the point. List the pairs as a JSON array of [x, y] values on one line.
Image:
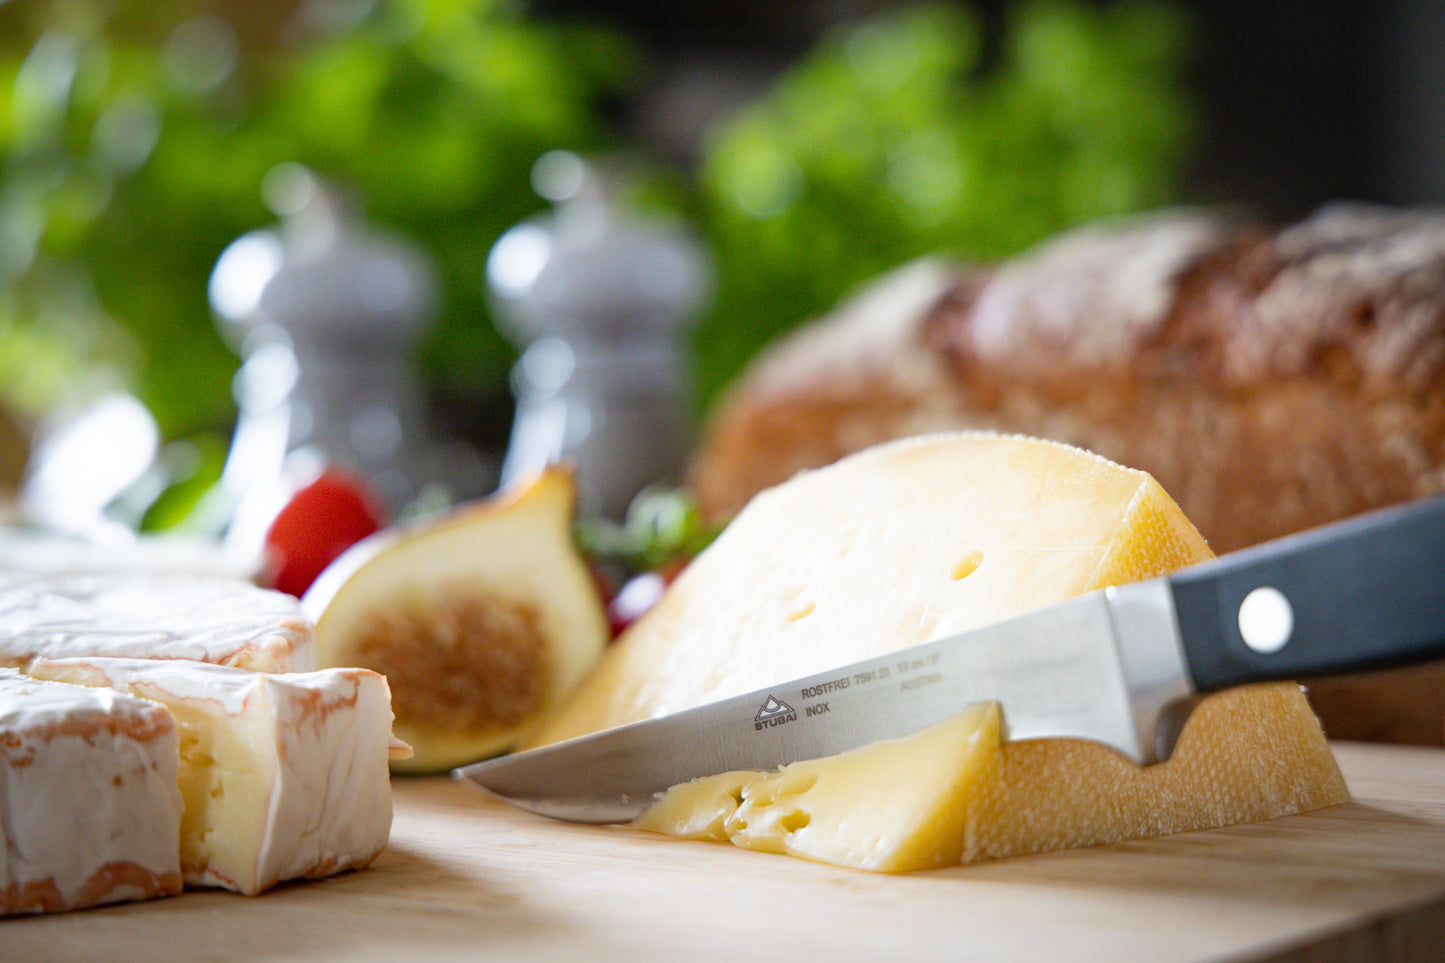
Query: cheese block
[[916, 539], [89, 808], [893, 806], [893, 546], [283, 775], [152, 615]]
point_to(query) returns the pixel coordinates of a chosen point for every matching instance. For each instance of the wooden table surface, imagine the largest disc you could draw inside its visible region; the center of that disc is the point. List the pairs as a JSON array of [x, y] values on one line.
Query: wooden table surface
[[467, 877]]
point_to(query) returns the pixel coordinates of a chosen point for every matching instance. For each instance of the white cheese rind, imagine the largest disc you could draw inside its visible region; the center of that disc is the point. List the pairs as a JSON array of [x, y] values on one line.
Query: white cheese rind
[[89, 808], [284, 776], [145, 615]]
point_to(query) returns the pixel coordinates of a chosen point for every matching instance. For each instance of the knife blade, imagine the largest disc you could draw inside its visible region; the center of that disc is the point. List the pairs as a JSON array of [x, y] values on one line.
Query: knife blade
[[1123, 666]]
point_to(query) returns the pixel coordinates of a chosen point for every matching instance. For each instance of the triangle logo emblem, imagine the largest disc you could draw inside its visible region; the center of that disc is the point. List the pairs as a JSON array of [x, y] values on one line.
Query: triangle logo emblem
[[771, 708]]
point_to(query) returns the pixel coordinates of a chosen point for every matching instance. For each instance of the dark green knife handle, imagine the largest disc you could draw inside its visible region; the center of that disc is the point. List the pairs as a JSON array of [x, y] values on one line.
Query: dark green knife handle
[[1365, 593]]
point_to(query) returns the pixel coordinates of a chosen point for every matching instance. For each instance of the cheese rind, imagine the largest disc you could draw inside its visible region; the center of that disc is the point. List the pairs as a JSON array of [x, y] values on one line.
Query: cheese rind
[[1245, 755], [89, 809], [894, 806], [284, 776], [953, 793], [153, 616]]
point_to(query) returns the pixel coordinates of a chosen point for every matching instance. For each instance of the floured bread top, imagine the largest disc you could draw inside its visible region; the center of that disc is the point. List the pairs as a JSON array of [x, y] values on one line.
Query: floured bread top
[[145, 615]]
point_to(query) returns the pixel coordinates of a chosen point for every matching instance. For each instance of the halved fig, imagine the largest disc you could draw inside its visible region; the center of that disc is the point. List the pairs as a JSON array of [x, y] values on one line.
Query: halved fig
[[482, 620]]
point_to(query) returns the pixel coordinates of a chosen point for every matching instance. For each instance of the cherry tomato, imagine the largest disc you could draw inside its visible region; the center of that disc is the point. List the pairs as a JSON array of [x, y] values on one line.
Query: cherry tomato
[[321, 521]]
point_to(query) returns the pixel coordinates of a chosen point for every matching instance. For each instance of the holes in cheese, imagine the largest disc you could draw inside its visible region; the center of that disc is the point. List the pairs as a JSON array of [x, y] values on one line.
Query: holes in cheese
[[801, 612], [967, 565], [952, 793]]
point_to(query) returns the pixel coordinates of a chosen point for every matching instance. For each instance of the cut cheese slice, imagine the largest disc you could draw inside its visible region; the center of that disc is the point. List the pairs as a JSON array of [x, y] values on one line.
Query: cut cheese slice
[[893, 546], [283, 776], [953, 794], [153, 616], [917, 539], [89, 809], [893, 806]]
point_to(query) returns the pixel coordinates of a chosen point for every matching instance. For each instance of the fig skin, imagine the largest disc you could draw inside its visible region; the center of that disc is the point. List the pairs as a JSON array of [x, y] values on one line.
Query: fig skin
[[483, 620]]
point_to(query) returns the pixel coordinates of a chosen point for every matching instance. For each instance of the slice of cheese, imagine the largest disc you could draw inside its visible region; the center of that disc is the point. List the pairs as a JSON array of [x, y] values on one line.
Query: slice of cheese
[[155, 616], [283, 776], [89, 808], [917, 539], [952, 793], [894, 806]]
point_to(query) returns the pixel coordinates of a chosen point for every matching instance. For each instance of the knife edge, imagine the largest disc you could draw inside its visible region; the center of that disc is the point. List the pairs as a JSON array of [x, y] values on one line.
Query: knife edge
[[1073, 684]]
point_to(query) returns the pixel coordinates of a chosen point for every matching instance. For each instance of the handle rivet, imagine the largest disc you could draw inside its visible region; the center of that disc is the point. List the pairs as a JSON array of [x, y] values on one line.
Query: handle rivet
[[1266, 619]]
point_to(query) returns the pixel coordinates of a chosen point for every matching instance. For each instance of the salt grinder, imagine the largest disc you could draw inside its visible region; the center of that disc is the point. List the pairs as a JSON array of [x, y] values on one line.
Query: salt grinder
[[325, 312], [598, 300]]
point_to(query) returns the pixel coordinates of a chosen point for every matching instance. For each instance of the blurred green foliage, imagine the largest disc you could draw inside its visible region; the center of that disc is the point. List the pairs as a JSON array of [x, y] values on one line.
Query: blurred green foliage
[[920, 132], [135, 139]]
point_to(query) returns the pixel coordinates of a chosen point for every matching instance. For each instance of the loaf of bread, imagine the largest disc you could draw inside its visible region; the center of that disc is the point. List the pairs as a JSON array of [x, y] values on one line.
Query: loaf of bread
[[1271, 379]]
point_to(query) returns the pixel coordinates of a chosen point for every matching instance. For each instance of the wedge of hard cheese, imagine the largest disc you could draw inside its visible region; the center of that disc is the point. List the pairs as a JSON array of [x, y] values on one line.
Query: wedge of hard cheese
[[896, 545], [153, 616], [917, 539], [283, 776], [89, 809]]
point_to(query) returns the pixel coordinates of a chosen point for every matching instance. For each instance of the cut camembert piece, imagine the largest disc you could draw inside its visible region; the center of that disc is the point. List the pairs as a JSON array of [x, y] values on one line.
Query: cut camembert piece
[[154, 616], [918, 539], [89, 809], [283, 776]]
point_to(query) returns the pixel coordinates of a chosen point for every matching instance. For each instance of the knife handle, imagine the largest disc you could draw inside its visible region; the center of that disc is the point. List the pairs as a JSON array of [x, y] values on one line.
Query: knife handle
[[1365, 593]]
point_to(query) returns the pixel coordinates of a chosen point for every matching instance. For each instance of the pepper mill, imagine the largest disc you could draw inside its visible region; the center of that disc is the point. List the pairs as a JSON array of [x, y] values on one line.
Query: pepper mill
[[325, 311], [598, 300]]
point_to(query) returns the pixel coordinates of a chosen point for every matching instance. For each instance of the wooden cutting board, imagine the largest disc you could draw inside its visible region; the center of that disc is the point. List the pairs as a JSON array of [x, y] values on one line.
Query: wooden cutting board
[[466, 877]]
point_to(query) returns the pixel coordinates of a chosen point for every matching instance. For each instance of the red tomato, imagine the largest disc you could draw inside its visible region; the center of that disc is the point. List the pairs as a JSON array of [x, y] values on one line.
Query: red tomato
[[321, 521]]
